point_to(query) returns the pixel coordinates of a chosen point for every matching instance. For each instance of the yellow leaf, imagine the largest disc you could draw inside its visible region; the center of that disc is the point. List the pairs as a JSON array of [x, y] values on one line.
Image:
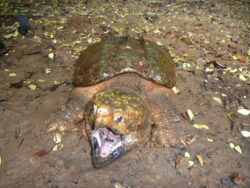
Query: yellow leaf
[[47, 71], [224, 95], [40, 80], [218, 100], [190, 114], [8, 36], [175, 90], [118, 185], [186, 154], [210, 140], [231, 145], [190, 164], [159, 43], [32, 86], [51, 55], [12, 74], [56, 82], [201, 126], [57, 138], [242, 77], [200, 159], [238, 149], [57, 147]]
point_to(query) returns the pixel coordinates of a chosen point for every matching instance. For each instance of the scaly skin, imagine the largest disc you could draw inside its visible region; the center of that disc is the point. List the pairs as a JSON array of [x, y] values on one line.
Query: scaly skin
[[163, 114]]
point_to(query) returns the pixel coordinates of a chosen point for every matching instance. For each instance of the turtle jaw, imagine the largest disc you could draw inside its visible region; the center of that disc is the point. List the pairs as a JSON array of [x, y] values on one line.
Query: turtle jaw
[[108, 146]]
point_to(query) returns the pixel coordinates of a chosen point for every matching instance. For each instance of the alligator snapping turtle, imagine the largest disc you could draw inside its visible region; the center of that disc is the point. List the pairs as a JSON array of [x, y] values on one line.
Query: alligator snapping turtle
[[122, 87]]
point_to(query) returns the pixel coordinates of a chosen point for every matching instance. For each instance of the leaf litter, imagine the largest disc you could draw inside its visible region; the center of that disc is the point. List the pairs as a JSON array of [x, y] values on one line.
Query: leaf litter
[[151, 29]]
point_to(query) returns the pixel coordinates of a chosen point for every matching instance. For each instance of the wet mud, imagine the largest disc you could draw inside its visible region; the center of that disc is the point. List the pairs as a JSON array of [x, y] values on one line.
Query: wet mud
[[209, 42]]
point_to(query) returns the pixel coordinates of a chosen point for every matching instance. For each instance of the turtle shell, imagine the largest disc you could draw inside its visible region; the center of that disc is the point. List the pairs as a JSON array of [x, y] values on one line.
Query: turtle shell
[[116, 55]]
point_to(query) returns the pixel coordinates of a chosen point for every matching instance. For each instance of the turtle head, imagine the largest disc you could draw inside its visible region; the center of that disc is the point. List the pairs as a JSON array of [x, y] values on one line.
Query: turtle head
[[116, 121]]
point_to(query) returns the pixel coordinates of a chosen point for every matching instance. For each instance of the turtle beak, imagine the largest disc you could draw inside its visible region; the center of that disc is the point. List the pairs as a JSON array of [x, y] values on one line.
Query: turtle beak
[[108, 146]]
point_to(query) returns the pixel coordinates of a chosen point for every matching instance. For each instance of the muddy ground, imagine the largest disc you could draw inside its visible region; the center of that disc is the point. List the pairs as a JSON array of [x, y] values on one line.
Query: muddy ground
[[209, 41]]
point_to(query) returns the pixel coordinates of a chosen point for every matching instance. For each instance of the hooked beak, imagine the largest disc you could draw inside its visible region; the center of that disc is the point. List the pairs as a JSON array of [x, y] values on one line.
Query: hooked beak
[[108, 146]]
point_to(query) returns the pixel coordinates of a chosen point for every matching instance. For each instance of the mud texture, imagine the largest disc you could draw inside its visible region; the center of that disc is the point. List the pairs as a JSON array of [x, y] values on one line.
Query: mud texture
[[209, 41]]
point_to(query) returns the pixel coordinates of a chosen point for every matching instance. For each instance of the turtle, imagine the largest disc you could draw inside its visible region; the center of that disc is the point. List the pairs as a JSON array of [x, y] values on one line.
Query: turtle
[[121, 94]]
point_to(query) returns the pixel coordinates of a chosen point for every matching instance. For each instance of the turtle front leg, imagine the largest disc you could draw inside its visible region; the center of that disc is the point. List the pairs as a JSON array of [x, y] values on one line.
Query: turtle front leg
[[166, 122], [69, 115]]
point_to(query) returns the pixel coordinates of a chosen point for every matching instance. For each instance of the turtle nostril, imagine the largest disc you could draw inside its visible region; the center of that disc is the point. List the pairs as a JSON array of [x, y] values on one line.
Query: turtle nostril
[[118, 119]]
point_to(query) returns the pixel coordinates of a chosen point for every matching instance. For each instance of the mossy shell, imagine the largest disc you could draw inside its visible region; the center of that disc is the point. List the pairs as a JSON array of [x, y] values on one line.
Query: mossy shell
[[117, 55]]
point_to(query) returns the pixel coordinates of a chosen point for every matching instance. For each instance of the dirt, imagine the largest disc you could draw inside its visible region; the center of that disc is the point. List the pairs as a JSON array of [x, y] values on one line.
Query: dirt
[[209, 41]]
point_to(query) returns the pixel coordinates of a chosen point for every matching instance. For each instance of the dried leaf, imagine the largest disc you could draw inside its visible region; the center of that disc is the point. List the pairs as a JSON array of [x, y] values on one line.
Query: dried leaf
[[244, 112], [223, 95], [8, 36], [40, 153], [200, 126], [51, 55], [209, 70], [238, 149], [40, 80], [179, 160], [190, 114], [57, 83], [157, 31], [231, 145], [245, 133], [47, 71], [32, 86], [12, 74], [232, 56], [248, 52], [118, 185], [238, 178], [241, 58], [175, 90], [231, 116], [210, 139], [218, 100], [186, 154], [57, 147], [200, 159], [231, 70], [242, 77], [159, 43], [190, 164], [57, 138], [15, 34]]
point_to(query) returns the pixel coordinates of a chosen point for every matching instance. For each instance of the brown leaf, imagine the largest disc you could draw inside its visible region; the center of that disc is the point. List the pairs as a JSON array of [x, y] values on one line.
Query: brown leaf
[[238, 178], [28, 75], [40, 153], [200, 159], [241, 58], [179, 160]]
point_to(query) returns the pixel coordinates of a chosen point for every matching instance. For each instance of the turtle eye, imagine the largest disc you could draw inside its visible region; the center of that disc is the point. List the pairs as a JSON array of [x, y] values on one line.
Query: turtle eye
[[118, 117]]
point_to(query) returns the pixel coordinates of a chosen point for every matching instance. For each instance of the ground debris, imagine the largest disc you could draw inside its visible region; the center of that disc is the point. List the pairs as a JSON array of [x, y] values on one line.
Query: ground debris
[[200, 159], [237, 178]]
